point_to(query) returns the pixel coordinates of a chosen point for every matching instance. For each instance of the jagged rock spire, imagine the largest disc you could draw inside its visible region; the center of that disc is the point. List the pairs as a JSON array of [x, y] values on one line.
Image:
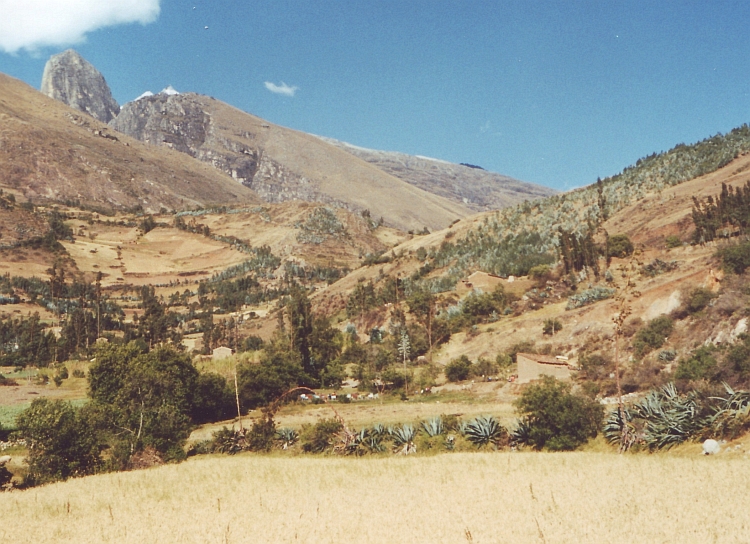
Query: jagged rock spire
[[69, 78]]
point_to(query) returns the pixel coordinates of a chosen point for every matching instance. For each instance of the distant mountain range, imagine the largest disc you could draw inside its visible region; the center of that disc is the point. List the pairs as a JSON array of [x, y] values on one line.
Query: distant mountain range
[[468, 184], [279, 164]]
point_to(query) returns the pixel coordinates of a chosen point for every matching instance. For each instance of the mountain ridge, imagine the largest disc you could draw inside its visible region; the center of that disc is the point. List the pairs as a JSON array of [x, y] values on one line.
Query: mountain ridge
[[479, 189]]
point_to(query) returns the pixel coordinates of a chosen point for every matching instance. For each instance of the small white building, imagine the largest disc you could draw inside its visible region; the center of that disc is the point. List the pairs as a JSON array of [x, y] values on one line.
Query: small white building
[[221, 352]]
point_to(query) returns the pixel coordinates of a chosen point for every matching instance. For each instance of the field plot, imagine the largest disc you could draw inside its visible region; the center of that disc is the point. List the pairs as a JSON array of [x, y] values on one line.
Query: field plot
[[479, 497]]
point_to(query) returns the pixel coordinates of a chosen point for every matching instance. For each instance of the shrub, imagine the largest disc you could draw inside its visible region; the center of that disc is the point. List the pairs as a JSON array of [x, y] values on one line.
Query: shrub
[[540, 272], [698, 299], [555, 418], [7, 381], [61, 444], [485, 367], [589, 297], [321, 436], [653, 335], [595, 366], [620, 245], [673, 241], [458, 369], [735, 258], [551, 326], [700, 366]]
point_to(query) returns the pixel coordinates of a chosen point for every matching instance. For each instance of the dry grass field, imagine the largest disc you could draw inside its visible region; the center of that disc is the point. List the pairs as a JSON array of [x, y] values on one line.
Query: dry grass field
[[471, 497]]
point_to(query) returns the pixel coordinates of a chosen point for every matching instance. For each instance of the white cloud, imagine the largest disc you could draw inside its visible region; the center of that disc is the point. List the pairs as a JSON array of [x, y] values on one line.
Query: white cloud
[[32, 24], [284, 89]]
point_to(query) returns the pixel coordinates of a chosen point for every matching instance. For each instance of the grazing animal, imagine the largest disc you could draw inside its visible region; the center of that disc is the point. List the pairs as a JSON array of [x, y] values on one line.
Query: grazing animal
[[5, 459], [711, 447]]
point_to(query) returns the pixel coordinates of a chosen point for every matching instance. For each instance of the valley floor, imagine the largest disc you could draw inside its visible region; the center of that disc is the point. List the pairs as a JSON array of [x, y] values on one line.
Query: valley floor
[[472, 497]]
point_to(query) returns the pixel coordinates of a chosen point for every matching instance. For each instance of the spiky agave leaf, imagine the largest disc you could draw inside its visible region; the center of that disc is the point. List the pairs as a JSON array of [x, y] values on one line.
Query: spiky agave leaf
[[287, 436], [462, 427], [521, 435], [403, 439], [433, 426], [484, 430]]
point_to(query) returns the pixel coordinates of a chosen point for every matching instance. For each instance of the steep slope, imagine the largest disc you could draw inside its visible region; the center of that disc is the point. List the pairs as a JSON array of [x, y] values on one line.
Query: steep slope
[[69, 78], [50, 151], [281, 164], [475, 187]]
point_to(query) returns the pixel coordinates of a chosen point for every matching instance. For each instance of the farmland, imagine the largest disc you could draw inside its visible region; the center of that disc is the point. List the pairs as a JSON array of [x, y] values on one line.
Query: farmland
[[470, 497]]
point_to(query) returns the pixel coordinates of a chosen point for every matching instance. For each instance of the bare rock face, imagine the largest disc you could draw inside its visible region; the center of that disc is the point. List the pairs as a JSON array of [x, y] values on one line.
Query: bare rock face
[[69, 78], [184, 123]]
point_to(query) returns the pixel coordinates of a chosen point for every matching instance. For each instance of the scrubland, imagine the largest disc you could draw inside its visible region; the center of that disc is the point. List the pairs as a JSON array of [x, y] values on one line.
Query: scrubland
[[473, 497]]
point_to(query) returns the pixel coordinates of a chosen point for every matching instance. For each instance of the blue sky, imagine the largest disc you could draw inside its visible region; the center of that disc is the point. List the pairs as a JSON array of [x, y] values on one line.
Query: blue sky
[[555, 93]]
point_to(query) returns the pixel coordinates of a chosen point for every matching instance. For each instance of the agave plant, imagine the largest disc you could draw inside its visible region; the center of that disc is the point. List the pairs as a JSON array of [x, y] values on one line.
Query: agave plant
[[485, 430], [433, 427], [380, 430], [229, 441], [662, 419], [731, 415], [403, 439], [462, 427], [287, 437], [521, 435]]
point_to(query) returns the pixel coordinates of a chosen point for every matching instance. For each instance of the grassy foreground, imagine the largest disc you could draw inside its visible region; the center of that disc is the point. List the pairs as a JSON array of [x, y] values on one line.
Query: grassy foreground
[[475, 497]]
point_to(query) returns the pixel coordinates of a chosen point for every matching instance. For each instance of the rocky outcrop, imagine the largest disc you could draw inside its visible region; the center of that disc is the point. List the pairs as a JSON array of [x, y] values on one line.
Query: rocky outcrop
[[277, 163], [69, 78]]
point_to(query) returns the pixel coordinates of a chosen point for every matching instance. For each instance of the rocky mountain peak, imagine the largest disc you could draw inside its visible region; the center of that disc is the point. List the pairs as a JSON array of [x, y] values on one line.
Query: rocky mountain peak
[[69, 78]]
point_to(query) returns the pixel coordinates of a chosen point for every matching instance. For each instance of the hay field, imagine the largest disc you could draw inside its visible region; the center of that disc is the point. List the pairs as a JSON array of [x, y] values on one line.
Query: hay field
[[472, 497]]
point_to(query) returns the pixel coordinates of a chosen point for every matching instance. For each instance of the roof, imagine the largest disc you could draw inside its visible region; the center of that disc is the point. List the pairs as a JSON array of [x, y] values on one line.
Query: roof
[[543, 359]]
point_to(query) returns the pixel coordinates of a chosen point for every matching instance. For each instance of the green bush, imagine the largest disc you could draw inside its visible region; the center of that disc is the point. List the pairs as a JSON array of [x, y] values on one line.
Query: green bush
[[698, 299], [595, 366], [620, 245], [735, 258], [700, 366], [673, 241], [485, 367], [653, 335], [554, 418], [458, 369], [321, 436], [540, 272], [551, 326], [61, 443]]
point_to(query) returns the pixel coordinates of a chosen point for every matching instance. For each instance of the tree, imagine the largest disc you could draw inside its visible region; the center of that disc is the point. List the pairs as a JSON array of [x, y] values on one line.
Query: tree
[[422, 305], [555, 418], [153, 325], [299, 313], [147, 398], [61, 444], [458, 369], [260, 384]]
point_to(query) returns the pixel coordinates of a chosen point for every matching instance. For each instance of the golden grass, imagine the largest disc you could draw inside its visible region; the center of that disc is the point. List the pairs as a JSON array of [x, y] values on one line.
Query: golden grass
[[474, 497]]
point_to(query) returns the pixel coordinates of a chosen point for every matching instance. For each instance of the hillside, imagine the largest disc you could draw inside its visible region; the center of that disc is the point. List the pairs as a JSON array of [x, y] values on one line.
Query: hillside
[[281, 164], [475, 187], [647, 212], [50, 152]]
